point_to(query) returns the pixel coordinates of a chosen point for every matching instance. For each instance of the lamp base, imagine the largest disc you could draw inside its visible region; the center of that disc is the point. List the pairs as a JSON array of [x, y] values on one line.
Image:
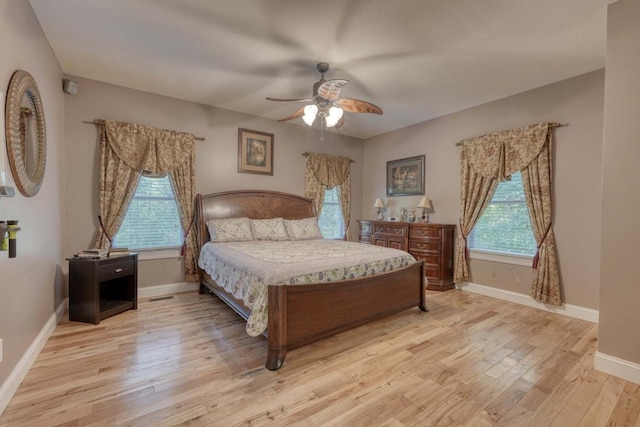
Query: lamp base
[[380, 216]]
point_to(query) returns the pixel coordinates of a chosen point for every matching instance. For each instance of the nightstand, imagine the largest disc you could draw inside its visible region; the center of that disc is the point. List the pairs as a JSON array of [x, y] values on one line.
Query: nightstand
[[100, 288]]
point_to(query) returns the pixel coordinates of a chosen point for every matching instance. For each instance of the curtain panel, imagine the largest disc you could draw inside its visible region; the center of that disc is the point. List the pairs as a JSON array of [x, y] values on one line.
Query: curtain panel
[[489, 159], [323, 172], [126, 151]]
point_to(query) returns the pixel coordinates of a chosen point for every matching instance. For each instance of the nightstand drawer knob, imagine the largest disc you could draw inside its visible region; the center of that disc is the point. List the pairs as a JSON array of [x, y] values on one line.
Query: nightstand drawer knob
[[118, 270]]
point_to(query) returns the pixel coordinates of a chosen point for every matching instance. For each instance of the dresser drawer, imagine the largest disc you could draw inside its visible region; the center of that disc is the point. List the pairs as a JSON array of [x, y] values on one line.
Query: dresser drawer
[[425, 246], [390, 229], [433, 273], [112, 270], [430, 261], [425, 233]]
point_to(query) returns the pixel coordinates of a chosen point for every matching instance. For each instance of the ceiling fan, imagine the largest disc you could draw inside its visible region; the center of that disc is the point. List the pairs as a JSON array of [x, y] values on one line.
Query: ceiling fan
[[327, 104]]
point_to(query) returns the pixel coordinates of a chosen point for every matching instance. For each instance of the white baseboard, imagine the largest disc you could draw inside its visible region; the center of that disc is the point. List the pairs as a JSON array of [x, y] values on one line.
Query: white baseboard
[[583, 313], [10, 386], [168, 289], [620, 368]]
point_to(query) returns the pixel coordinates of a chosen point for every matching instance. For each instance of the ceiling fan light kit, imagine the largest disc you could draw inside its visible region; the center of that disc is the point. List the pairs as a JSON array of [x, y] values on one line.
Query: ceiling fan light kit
[[327, 104]]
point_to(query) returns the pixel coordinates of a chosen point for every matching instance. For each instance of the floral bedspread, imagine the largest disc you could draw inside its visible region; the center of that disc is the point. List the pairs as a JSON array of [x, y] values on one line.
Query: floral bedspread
[[245, 269]]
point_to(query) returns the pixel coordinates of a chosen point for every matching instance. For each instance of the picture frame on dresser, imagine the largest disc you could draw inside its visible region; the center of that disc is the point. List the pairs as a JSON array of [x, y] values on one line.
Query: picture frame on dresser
[[405, 177]]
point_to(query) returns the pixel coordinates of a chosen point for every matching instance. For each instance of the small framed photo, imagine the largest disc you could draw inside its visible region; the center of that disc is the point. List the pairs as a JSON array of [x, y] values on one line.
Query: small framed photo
[[255, 152], [405, 177]]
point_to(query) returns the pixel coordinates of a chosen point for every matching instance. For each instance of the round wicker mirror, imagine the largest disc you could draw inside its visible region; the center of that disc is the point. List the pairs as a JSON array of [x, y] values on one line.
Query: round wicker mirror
[[26, 133]]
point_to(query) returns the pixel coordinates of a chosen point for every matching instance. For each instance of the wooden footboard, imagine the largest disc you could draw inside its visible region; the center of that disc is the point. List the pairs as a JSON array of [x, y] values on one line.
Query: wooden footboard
[[299, 315], [302, 314]]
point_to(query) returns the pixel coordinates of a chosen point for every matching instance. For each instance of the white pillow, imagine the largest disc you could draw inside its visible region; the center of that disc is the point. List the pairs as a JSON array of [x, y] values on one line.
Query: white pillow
[[303, 229], [269, 229], [230, 230]]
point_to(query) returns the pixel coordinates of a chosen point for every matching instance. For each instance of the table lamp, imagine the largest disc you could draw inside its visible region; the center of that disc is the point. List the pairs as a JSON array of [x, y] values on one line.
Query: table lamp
[[379, 204], [425, 204]]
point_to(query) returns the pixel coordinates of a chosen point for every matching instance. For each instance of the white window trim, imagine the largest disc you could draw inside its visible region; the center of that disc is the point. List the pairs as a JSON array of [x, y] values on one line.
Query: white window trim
[[163, 253], [501, 257]]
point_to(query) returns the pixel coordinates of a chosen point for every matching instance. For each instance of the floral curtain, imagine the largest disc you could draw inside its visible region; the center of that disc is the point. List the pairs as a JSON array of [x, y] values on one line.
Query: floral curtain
[[488, 159], [127, 150], [323, 172], [536, 180], [476, 192]]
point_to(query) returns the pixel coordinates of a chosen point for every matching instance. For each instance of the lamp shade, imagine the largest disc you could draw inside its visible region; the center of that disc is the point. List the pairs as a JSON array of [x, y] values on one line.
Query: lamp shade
[[424, 203], [310, 112], [379, 204], [335, 114]]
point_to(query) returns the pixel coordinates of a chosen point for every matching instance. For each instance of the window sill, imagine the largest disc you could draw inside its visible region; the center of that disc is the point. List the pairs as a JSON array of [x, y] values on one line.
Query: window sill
[[151, 254], [523, 260]]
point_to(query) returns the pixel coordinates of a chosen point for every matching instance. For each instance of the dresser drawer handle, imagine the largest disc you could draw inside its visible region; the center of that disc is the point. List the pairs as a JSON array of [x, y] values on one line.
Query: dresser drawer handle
[[421, 246], [398, 231], [118, 270]]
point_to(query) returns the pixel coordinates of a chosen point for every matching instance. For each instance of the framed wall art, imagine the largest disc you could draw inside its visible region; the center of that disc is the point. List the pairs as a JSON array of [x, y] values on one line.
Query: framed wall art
[[405, 177], [255, 152]]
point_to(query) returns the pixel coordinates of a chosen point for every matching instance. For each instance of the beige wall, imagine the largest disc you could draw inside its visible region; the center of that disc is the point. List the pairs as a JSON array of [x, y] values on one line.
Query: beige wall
[[596, 195], [619, 291], [216, 157], [30, 284], [577, 176]]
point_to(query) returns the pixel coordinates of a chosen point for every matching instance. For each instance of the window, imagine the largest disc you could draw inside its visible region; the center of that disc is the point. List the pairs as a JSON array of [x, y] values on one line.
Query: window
[[330, 220], [504, 227], [152, 220]]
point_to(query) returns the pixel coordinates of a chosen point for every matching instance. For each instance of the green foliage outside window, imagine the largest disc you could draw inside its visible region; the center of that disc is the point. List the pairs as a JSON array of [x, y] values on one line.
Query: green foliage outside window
[[330, 220], [505, 226], [152, 220]]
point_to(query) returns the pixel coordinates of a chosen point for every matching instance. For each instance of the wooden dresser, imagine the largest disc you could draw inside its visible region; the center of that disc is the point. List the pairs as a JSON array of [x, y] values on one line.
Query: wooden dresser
[[432, 243]]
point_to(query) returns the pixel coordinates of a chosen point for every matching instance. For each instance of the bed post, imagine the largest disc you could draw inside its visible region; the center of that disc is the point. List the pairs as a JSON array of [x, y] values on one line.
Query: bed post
[[277, 327], [199, 223], [423, 288]]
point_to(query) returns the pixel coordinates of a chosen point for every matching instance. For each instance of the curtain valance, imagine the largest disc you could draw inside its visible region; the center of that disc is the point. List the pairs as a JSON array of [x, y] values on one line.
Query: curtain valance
[[144, 148], [329, 170], [500, 154]]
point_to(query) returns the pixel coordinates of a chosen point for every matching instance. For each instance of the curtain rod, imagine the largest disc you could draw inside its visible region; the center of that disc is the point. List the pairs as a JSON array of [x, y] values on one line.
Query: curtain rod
[[306, 154], [101, 122], [552, 125]]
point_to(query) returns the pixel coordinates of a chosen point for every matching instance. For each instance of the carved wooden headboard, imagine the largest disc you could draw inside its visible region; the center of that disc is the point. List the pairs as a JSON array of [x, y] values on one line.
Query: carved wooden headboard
[[255, 204]]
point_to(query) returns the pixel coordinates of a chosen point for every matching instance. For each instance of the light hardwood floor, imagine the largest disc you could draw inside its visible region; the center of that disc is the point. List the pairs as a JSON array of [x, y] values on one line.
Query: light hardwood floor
[[472, 360]]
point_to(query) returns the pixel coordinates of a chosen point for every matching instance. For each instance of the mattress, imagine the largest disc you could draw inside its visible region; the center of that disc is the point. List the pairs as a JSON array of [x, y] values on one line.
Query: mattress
[[246, 269]]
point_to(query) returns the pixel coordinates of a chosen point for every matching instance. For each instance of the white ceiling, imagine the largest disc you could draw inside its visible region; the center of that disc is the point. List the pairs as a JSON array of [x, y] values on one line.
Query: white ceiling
[[416, 59]]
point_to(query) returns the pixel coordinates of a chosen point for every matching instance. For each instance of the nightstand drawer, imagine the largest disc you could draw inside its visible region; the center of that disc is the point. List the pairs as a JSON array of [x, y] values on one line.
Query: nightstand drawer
[[112, 270]]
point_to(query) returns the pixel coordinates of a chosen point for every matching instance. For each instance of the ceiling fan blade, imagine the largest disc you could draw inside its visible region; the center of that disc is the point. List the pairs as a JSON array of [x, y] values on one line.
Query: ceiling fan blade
[[340, 123], [295, 115], [290, 100], [356, 106], [331, 88]]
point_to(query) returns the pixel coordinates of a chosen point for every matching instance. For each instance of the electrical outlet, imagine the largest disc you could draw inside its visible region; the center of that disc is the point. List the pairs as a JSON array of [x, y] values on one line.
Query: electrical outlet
[[0, 349]]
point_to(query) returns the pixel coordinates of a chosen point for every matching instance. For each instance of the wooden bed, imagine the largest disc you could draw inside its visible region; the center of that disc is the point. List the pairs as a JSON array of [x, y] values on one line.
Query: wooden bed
[[299, 315]]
